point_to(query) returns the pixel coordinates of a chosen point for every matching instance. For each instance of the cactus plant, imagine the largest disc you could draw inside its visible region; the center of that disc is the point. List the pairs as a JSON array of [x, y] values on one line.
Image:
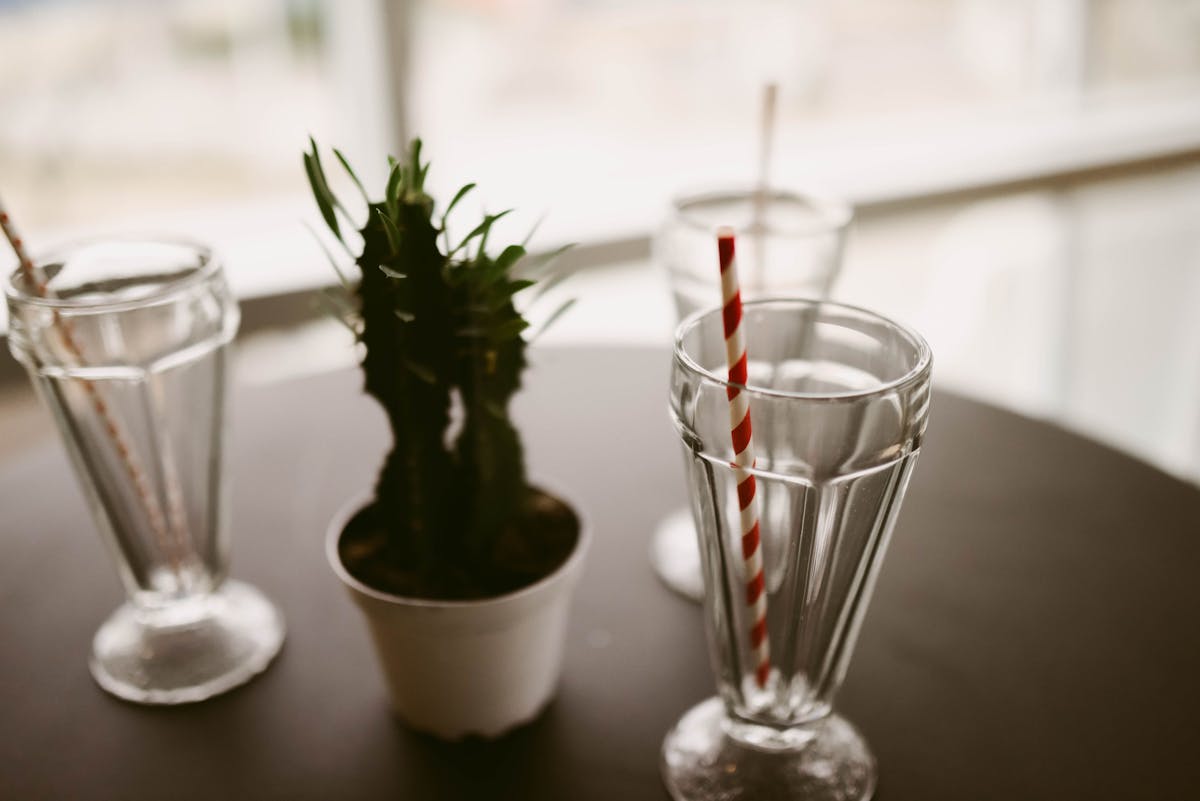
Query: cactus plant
[[453, 514]]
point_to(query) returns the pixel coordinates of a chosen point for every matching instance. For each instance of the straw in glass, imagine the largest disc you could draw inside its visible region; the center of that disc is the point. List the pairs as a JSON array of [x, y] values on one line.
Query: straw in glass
[[743, 459], [762, 188]]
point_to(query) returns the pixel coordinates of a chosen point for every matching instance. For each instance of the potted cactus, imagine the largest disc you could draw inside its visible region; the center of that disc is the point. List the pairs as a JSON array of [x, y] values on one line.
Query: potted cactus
[[463, 568]]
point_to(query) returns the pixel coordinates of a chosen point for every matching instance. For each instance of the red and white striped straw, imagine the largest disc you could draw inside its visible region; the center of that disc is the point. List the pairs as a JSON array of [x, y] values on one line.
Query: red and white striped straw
[[743, 458]]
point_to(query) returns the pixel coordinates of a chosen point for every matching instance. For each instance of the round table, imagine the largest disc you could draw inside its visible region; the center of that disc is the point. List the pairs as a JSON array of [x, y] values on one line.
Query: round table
[[1033, 633]]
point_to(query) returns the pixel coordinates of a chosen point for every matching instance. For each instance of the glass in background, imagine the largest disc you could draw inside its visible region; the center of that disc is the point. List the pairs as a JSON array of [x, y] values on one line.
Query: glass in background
[[789, 245]]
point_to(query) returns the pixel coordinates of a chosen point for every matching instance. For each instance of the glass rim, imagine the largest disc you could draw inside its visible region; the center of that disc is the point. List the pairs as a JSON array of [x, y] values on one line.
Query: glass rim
[[209, 265], [831, 214], [918, 372]]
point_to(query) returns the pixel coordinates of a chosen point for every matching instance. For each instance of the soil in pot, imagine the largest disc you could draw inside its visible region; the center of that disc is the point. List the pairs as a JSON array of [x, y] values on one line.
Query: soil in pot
[[532, 546]]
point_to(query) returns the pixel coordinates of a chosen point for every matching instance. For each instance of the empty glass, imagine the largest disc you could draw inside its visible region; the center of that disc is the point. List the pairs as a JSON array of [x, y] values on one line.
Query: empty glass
[[790, 245], [128, 349], [839, 399]]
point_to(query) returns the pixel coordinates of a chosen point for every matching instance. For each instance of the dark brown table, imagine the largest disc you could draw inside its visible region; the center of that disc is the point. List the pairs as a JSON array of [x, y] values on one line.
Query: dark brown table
[[1033, 636]]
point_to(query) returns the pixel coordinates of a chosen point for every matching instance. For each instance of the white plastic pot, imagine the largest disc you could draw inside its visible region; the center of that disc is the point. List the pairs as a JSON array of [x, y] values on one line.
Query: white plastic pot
[[459, 668]]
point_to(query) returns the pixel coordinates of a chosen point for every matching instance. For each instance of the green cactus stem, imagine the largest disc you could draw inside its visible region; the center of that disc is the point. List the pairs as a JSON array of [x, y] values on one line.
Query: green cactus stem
[[444, 353]]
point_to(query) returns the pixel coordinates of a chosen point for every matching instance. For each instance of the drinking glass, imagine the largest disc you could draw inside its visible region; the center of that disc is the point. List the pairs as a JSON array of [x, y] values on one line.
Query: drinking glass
[[128, 348], [790, 245], [838, 399]]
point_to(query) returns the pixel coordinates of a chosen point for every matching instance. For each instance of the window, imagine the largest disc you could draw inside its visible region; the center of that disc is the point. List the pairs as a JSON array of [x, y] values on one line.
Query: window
[[600, 110], [592, 111], [185, 116]]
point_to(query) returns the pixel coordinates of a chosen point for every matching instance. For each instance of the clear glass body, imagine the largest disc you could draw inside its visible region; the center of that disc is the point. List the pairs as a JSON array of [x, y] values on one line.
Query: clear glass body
[[789, 245], [839, 399], [128, 349]]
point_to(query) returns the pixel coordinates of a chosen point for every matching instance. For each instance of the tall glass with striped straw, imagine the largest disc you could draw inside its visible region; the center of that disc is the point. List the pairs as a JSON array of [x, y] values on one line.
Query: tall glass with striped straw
[[839, 399], [126, 342]]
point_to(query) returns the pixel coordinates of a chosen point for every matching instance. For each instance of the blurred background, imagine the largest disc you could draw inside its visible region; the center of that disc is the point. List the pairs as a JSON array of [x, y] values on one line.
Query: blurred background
[[1025, 173]]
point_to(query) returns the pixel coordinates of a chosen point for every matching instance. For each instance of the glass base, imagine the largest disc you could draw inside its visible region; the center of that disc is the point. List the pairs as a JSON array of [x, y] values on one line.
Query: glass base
[[702, 762], [192, 650], [675, 555]]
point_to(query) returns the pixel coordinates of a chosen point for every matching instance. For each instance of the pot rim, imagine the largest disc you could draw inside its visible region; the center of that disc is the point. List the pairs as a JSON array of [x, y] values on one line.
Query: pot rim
[[358, 501]]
